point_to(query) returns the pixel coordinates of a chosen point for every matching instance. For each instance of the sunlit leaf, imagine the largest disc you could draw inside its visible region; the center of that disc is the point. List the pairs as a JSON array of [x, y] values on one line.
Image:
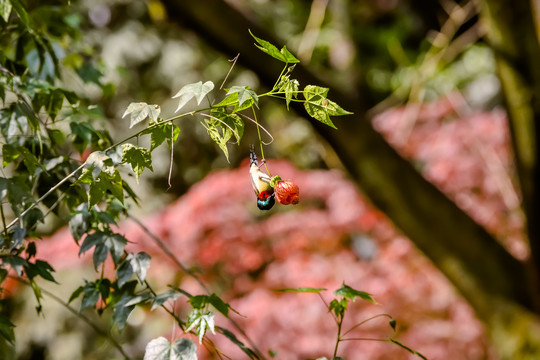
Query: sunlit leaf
[[245, 94], [140, 111], [196, 90], [21, 11], [348, 292], [5, 9], [161, 349], [133, 264], [282, 55], [202, 321], [160, 299], [290, 88], [138, 157], [160, 133], [319, 107], [338, 306], [104, 242]]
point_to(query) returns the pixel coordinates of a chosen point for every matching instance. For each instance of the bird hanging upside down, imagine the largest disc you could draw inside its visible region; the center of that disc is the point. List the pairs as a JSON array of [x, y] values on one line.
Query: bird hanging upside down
[[261, 184]]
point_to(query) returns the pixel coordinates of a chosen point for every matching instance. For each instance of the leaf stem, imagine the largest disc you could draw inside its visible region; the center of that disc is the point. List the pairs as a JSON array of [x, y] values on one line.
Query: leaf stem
[[365, 321], [45, 195], [338, 339], [279, 77]]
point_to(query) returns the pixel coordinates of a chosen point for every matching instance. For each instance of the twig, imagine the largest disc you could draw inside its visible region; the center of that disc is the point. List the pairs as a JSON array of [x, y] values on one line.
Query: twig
[[259, 126], [168, 252], [365, 321], [45, 195], [233, 60]]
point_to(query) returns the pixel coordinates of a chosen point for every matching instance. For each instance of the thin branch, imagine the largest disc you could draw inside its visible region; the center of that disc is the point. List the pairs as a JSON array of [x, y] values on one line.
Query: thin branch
[[259, 126], [168, 252], [45, 195], [233, 60], [367, 339], [365, 321]]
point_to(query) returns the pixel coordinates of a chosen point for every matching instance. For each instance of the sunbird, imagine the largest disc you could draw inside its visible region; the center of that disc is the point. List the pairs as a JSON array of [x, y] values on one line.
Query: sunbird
[[261, 184]]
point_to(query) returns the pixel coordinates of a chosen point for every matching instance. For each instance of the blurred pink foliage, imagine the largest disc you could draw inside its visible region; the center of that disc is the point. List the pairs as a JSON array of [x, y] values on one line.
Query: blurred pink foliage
[[245, 255]]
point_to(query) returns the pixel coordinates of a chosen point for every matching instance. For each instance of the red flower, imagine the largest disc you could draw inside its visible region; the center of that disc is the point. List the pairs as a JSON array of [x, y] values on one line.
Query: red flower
[[287, 192]]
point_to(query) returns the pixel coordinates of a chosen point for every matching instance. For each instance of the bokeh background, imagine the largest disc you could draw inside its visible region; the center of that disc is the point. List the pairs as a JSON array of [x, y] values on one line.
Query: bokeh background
[[422, 74]]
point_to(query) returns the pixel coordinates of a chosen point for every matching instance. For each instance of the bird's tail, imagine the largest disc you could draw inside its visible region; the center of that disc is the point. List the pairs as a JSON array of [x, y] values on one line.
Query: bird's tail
[[253, 156]]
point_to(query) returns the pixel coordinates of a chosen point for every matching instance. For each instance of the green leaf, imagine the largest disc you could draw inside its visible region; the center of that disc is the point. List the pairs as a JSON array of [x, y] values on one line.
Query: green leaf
[[202, 321], [104, 183], [5, 9], [196, 90], [91, 295], [21, 12], [41, 268], [121, 299], [282, 55], [231, 124], [159, 133], [3, 275], [218, 134], [392, 324], [230, 100], [348, 292], [339, 307], [407, 348], [219, 304], [290, 88], [75, 294], [249, 352], [9, 154], [133, 264], [303, 290], [6, 329], [82, 135], [55, 103], [160, 299], [138, 157], [319, 107], [140, 111], [199, 302], [246, 97], [104, 243], [78, 222], [161, 349], [89, 73]]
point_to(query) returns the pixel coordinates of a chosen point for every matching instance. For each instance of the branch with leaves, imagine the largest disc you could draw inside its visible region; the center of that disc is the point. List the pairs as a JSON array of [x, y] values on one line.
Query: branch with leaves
[[45, 177]]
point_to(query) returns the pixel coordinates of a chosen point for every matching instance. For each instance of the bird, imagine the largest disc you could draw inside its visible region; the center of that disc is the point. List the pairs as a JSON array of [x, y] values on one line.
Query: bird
[[261, 183]]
